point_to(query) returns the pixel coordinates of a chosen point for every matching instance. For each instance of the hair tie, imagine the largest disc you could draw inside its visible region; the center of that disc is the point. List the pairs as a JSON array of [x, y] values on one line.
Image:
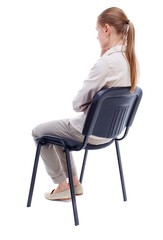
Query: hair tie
[[127, 21]]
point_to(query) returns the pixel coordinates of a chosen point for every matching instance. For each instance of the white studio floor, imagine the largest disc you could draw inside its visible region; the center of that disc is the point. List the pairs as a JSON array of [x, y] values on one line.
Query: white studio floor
[[47, 50]]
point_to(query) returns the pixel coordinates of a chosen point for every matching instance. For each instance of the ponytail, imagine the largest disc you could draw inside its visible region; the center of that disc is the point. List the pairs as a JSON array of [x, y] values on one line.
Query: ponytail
[[131, 56]]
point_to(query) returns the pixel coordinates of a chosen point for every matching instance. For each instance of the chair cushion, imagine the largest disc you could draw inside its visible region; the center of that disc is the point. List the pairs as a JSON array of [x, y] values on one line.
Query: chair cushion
[[60, 141], [69, 143]]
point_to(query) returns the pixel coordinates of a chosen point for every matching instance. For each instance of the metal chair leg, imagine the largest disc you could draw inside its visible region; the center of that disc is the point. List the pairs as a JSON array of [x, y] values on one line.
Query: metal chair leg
[[83, 165], [121, 171], [73, 198], [34, 175]]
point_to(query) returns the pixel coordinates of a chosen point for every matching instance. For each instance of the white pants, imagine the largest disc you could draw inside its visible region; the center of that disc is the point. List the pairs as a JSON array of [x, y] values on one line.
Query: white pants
[[53, 156]]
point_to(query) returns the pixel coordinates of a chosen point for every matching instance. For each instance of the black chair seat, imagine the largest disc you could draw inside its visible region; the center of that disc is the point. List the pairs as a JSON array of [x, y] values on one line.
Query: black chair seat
[[60, 141], [70, 143]]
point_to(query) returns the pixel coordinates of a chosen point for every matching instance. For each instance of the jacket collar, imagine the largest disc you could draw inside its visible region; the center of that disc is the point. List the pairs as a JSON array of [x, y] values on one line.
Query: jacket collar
[[117, 48]]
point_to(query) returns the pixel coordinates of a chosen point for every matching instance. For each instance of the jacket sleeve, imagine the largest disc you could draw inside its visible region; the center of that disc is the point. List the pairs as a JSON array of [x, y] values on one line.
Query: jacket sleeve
[[95, 81]]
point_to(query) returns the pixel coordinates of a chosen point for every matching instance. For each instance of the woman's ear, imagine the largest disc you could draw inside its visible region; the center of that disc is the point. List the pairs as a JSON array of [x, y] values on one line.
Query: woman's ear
[[107, 29]]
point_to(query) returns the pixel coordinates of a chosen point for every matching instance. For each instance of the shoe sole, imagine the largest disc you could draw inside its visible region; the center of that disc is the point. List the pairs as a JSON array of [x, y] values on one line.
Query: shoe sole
[[64, 199]]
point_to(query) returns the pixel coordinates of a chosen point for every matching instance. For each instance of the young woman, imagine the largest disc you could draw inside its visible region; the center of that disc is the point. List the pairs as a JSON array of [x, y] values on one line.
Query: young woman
[[116, 67]]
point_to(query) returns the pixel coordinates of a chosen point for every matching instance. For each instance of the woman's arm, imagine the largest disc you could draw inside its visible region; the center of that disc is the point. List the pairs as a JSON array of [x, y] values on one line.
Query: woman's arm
[[94, 82]]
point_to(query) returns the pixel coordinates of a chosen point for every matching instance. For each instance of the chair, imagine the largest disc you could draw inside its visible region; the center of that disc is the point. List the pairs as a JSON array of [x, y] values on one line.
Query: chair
[[110, 115]]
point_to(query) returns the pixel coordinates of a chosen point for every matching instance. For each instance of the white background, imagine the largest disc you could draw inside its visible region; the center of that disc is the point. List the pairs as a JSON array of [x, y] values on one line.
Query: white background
[[46, 50]]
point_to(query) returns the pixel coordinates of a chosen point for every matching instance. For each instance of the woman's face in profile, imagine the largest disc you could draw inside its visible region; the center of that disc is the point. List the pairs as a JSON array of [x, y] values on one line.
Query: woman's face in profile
[[102, 36]]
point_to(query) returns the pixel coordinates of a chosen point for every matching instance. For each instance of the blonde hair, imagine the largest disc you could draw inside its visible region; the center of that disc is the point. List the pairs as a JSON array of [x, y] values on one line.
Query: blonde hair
[[117, 18]]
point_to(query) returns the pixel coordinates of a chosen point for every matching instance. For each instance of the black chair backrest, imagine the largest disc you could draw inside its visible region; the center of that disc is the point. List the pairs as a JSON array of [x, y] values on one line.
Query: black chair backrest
[[111, 111]]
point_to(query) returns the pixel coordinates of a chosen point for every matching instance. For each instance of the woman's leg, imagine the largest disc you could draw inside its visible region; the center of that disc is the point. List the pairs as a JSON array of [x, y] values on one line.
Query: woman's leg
[[53, 156]]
